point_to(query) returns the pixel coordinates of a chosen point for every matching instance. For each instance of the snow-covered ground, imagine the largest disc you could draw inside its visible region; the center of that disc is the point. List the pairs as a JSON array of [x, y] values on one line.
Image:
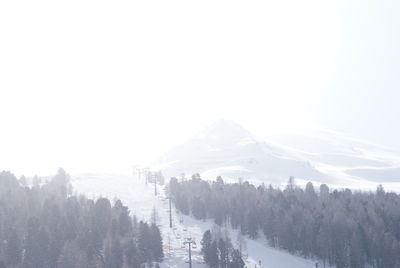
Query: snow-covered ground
[[141, 200], [227, 149], [321, 156]]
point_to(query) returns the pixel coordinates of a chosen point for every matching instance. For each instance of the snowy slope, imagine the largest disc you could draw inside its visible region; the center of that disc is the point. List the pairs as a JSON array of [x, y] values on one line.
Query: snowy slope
[[227, 149], [352, 163], [141, 200]]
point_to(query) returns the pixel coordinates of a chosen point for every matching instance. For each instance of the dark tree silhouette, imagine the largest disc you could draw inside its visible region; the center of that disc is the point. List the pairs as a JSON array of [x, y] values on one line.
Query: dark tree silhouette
[[340, 227], [44, 226]]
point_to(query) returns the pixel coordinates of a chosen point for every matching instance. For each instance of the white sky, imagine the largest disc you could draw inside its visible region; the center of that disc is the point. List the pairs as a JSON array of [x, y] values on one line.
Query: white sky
[[99, 85]]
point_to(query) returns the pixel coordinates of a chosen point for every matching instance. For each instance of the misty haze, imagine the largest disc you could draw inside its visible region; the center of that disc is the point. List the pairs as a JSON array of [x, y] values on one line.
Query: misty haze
[[220, 134]]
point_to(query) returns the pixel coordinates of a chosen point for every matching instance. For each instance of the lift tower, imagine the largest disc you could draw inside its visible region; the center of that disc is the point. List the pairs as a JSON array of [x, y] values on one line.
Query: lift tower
[[189, 241]]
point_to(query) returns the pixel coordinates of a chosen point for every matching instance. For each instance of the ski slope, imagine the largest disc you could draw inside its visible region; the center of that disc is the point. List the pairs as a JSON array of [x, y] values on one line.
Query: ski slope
[[320, 156], [141, 200]]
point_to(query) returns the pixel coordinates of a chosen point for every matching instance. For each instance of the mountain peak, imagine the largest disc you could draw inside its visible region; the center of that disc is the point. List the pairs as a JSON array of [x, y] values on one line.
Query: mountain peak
[[226, 148], [227, 131]]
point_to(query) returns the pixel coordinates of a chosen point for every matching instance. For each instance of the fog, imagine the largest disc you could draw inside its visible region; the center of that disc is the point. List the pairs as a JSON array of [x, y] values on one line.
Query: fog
[[93, 86]]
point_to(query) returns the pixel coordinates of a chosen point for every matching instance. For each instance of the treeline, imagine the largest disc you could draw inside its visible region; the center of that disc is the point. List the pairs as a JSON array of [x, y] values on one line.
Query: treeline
[[339, 227], [44, 226], [218, 251]]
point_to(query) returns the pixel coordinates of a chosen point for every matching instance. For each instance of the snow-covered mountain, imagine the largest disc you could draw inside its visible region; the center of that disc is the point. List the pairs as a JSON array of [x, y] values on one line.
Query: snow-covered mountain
[[225, 148], [351, 162]]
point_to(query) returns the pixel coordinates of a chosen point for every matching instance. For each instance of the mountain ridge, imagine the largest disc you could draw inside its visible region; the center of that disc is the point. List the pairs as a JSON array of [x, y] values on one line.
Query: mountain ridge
[[225, 148]]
